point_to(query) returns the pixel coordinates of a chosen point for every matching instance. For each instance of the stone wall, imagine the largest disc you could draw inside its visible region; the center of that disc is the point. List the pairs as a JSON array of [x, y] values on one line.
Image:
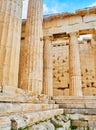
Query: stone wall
[[88, 69], [61, 82], [61, 68]]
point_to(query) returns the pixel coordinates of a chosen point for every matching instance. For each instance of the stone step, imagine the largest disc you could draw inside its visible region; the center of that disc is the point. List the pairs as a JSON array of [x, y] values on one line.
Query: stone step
[[81, 110], [17, 98], [76, 102], [82, 117], [77, 105], [84, 111], [13, 108], [27, 119], [75, 97], [82, 121], [84, 124]]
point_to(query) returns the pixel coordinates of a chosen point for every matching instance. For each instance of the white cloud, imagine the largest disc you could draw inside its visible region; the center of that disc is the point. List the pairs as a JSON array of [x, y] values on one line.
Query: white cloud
[[54, 10], [93, 4], [45, 9], [54, 7]]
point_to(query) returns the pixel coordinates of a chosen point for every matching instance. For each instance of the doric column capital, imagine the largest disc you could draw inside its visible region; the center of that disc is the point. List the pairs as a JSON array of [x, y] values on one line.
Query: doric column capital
[[74, 34], [94, 34]]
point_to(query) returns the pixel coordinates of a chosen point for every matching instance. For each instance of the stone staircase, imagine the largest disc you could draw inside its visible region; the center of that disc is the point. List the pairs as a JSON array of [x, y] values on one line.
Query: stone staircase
[[19, 110], [23, 109], [76, 102], [81, 110]]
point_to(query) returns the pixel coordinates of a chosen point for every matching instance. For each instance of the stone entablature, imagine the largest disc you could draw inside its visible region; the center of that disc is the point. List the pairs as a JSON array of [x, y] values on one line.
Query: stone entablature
[[67, 22]]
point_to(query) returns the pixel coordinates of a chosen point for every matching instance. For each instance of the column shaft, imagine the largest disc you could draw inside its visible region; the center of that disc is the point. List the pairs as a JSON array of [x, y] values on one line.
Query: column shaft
[[75, 71], [48, 69], [31, 62], [10, 36]]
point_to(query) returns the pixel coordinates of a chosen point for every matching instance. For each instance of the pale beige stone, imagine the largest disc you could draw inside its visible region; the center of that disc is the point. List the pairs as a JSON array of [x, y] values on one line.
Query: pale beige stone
[[41, 116], [17, 121], [69, 66], [5, 123], [89, 18], [48, 125], [75, 70], [56, 24], [58, 27], [38, 127], [48, 67], [74, 102], [13, 108], [10, 34], [31, 59], [42, 96], [80, 123], [13, 90]]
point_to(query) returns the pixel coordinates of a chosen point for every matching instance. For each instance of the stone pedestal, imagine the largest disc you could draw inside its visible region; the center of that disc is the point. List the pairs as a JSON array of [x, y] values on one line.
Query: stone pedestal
[[31, 58], [10, 36], [48, 69], [74, 64]]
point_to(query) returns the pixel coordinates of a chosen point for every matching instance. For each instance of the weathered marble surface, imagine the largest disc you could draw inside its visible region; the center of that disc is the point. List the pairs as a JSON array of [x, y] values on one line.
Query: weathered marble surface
[[31, 57], [27, 119], [10, 35]]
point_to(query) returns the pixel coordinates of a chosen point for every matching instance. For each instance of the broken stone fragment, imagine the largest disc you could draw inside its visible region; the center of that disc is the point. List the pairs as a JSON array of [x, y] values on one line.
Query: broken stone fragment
[[17, 121], [48, 125], [5, 123], [38, 127], [42, 96], [32, 100], [30, 94], [42, 101]]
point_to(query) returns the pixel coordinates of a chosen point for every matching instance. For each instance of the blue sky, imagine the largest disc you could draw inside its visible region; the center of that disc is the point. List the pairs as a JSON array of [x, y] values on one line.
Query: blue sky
[[58, 6]]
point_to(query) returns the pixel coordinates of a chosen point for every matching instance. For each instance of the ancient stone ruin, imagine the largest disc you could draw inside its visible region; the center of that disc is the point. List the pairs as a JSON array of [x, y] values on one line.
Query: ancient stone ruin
[[47, 68]]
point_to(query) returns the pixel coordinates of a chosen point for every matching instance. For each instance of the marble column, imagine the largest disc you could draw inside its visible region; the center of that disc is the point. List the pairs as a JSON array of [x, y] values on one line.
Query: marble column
[[10, 38], [93, 46], [31, 57], [48, 69], [93, 39], [74, 65]]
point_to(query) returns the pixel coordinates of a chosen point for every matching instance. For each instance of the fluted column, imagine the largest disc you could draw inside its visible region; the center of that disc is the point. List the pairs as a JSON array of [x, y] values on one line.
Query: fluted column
[[93, 40], [10, 38], [75, 71], [48, 69], [31, 61]]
